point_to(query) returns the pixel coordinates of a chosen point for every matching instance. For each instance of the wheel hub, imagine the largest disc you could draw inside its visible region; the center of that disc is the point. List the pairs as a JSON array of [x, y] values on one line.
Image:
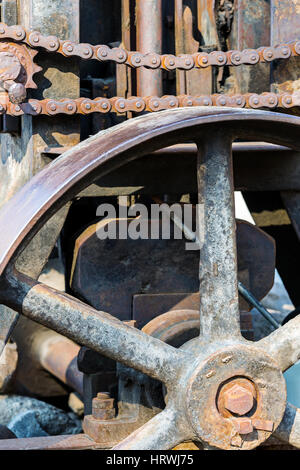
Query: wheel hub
[[235, 398]]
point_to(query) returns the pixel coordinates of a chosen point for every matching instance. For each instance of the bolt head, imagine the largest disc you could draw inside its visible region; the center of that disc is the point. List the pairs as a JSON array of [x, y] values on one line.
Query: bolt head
[[17, 93], [238, 400]]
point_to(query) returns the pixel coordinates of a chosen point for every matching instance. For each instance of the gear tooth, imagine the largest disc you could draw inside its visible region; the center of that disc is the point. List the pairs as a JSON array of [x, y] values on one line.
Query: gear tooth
[[36, 69], [33, 52], [31, 84]]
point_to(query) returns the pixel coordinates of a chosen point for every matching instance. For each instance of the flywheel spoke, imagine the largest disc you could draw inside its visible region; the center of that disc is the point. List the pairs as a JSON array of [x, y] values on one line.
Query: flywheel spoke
[[163, 432], [284, 344], [219, 307], [98, 330], [289, 428]]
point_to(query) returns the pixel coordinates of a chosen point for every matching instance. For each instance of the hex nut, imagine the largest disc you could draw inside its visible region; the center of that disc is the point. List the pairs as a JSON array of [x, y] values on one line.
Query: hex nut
[[238, 400]]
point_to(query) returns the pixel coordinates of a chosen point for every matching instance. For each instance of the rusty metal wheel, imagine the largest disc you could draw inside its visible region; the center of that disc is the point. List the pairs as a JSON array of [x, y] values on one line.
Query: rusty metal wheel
[[222, 390]]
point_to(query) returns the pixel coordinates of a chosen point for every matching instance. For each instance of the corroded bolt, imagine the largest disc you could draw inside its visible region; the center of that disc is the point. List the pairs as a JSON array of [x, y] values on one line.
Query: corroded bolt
[[17, 93], [238, 400], [263, 425], [236, 441], [103, 406], [243, 425]]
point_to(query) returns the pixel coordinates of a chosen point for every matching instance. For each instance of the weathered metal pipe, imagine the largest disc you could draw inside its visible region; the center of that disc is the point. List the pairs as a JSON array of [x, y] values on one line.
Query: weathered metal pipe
[[59, 357], [149, 39]]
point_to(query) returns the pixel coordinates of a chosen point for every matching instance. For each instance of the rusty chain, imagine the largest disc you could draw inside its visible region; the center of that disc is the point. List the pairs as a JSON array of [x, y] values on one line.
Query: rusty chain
[[51, 107], [134, 104], [151, 60]]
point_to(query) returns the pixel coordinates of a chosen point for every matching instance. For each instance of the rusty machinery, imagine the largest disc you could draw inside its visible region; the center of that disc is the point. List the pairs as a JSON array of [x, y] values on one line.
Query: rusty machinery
[[220, 389]]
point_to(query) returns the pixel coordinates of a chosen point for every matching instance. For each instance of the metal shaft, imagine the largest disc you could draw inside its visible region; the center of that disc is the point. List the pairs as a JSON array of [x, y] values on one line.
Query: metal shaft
[[149, 39], [255, 303]]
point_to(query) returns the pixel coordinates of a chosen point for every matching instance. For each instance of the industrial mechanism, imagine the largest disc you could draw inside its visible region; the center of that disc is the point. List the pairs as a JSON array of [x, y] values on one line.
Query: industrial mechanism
[[177, 103]]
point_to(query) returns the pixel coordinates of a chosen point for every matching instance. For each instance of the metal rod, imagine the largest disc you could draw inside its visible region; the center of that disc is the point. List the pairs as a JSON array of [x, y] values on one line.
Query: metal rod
[[149, 39], [255, 303], [219, 306], [59, 357]]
